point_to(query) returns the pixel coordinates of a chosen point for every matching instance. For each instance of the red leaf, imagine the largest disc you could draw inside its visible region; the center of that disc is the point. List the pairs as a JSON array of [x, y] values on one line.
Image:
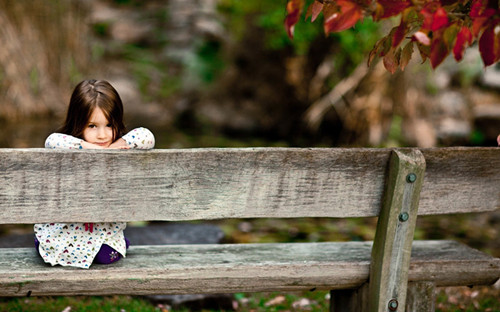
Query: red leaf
[[348, 15], [406, 55], [390, 61], [314, 9], [489, 45], [428, 18], [293, 8], [497, 45], [378, 49], [330, 8], [477, 25], [440, 19], [424, 50], [390, 8], [399, 34], [450, 35], [435, 17], [464, 39], [439, 50], [482, 8], [480, 12]]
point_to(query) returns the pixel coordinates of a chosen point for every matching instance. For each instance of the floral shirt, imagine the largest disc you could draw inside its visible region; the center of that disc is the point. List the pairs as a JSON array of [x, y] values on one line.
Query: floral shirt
[[77, 244]]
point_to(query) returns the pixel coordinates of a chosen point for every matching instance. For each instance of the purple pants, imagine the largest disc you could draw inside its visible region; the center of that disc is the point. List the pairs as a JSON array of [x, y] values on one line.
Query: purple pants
[[106, 254]]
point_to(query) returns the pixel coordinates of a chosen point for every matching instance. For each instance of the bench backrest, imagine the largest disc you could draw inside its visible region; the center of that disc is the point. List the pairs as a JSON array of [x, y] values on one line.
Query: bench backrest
[[42, 185]]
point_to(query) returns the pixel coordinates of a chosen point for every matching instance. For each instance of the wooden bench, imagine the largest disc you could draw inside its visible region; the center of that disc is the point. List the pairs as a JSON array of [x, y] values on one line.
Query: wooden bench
[[41, 185]]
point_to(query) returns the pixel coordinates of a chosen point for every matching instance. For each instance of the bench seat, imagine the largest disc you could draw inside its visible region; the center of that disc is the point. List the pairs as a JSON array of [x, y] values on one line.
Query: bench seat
[[230, 268]]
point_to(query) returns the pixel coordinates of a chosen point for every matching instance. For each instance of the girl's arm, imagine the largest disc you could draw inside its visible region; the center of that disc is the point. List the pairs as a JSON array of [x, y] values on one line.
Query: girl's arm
[[139, 138], [61, 140], [65, 141]]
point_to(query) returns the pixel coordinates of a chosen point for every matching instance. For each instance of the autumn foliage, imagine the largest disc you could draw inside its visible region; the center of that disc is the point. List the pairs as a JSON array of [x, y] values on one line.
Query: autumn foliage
[[436, 28]]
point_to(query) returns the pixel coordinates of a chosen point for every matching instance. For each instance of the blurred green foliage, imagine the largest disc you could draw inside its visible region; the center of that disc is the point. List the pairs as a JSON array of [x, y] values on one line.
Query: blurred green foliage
[[477, 138], [353, 44], [395, 137], [101, 29], [35, 80], [209, 60]]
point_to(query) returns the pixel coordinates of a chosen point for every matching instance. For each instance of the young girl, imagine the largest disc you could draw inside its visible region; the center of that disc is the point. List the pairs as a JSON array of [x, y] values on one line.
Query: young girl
[[94, 120]]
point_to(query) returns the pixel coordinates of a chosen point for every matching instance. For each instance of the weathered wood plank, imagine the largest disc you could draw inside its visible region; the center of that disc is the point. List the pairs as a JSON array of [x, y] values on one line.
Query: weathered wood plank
[[179, 269], [395, 229], [421, 297], [462, 177], [41, 185]]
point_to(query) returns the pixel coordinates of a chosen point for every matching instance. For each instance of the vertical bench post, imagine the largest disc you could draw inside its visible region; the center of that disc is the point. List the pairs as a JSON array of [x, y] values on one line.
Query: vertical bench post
[[421, 297], [391, 250]]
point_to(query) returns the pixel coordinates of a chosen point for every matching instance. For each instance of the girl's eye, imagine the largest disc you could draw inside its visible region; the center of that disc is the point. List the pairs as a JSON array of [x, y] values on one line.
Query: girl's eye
[[91, 126], [108, 125]]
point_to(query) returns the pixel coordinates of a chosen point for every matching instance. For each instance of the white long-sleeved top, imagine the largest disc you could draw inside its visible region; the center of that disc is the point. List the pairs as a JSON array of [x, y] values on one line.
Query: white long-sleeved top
[[139, 138], [77, 244]]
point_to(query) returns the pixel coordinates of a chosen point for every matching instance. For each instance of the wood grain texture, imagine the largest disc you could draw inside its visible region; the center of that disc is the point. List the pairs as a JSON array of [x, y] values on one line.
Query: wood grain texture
[[421, 297], [466, 178], [41, 185], [180, 269], [393, 240]]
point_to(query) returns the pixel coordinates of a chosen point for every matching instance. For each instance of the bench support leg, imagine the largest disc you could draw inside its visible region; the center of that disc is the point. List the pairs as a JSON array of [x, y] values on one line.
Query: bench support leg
[[421, 297], [349, 300], [394, 237]]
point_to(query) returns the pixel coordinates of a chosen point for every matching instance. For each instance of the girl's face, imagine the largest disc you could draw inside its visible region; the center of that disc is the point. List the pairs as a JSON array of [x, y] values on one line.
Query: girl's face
[[98, 130]]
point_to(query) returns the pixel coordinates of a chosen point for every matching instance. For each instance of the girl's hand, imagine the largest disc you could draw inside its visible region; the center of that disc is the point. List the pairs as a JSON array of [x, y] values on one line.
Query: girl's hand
[[86, 144], [119, 144], [120, 147]]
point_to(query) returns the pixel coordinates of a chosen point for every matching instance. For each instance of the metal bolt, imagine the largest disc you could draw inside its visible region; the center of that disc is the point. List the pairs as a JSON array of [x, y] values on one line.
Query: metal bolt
[[411, 178], [393, 305], [403, 217]]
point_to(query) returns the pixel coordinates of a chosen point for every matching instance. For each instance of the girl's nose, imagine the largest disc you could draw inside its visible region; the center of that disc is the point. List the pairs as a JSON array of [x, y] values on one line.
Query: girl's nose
[[101, 133]]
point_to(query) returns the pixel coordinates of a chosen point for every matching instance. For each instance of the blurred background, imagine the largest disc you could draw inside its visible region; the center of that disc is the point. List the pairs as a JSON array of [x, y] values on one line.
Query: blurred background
[[224, 73]]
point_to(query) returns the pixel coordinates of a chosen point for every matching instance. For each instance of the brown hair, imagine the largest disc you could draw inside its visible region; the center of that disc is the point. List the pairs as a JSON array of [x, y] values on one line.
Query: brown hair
[[88, 95]]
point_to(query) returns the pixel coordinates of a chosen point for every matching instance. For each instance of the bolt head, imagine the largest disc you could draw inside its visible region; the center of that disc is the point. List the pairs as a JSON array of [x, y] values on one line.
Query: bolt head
[[403, 217], [410, 178], [393, 305]]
